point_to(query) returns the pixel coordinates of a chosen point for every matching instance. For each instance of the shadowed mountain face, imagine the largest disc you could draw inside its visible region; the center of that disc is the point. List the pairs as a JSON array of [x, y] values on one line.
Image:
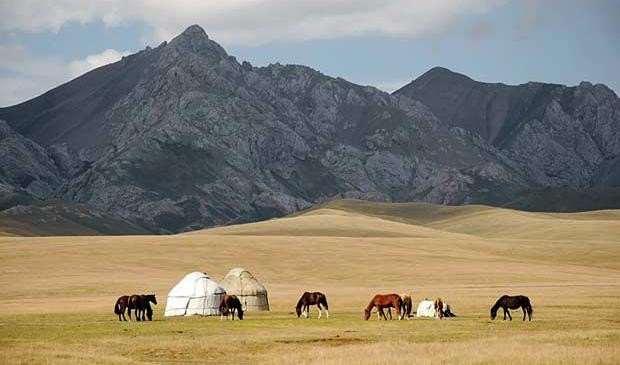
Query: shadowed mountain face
[[560, 136], [182, 136]]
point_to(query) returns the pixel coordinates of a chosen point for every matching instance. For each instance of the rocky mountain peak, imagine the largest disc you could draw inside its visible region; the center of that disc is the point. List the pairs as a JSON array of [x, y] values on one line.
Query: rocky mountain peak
[[195, 30], [194, 39]]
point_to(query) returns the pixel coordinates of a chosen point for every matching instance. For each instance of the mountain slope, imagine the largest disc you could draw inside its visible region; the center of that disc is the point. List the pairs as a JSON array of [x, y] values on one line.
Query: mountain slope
[[183, 136], [560, 136], [194, 139]]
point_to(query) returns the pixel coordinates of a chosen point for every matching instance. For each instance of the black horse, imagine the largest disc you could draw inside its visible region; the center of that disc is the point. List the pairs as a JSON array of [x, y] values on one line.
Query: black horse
[[307, 299], [507, 302], [120, 307], [141, 306]]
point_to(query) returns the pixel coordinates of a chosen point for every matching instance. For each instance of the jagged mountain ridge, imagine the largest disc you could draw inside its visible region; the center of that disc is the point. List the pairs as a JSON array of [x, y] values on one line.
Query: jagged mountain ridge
[[561, 136], [182, 136]]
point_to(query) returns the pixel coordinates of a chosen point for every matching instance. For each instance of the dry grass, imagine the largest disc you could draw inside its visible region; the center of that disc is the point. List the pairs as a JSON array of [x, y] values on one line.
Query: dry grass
[[58, 292]]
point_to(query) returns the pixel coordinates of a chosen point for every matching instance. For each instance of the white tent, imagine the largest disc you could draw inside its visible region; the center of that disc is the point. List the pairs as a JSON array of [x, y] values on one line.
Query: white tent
[[426, 308], [196, 293], [247, 288]]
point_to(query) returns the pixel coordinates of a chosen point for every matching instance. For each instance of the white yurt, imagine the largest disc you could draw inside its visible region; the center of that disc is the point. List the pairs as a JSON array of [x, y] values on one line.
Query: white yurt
[[426, 308], [196, 293], [251, 292]]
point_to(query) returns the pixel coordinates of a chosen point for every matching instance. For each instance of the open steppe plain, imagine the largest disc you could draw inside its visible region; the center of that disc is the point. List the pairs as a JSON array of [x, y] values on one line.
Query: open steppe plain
[[57, 293]]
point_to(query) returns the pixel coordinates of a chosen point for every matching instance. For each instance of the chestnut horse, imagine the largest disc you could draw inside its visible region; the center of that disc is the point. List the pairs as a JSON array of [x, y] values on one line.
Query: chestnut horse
[[384, 301], [230, 305], [307, 299], [512, 302]]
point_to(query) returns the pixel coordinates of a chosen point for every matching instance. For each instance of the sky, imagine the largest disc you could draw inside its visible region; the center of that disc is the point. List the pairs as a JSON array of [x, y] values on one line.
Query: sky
[[381, 43]]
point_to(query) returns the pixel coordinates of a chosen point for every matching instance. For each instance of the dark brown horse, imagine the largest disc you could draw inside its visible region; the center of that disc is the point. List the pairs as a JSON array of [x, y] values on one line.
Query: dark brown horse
[[230, 304], [439, 308], [120, 307], [507, 302], [141, 306], [147, 300], [406, 307], [384, 301], [307, 299]]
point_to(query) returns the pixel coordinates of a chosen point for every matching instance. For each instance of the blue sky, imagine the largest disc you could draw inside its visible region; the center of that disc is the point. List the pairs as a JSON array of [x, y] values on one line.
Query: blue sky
[[380, 43]]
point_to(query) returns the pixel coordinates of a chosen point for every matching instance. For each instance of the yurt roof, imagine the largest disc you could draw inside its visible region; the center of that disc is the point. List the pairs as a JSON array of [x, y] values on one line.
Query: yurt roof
[[188, 285], [242, 282], [239, 272]]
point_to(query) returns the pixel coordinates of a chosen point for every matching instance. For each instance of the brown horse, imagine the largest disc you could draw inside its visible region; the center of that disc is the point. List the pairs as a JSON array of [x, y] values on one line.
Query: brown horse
[[307, 299], [406, 307], [230, 304], [512, 302], [439, 308], [120, 307], [141, 306], [146, 303], [384, 301]]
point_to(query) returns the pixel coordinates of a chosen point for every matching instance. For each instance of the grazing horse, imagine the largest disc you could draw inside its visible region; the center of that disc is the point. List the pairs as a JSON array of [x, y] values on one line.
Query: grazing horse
[[230, 304], [438, 304], [406, 307], [307, 299], [140, 305], [384, 301], [146, 305], [120, 307], [507, 302]]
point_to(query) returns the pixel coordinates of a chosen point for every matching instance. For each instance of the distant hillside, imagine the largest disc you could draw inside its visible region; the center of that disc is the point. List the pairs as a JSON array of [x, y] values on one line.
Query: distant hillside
[[63, 220], [485, 221]]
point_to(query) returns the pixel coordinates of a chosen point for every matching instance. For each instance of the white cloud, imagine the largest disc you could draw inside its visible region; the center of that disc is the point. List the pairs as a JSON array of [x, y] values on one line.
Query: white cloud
[[79, 67], [250, 22], [25, 75]]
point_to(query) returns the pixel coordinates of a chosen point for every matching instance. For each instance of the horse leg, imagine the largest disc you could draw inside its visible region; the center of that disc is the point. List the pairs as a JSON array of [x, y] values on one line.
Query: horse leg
[[524, 310], [508, 312], [504, 313], [319, 307]]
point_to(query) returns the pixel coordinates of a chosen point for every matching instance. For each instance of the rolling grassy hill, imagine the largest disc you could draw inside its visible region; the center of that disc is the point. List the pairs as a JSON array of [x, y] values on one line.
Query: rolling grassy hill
[[58, 292]]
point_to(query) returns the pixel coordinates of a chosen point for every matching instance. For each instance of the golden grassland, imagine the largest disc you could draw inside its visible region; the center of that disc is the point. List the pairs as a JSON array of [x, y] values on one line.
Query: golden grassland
[[58, 292]]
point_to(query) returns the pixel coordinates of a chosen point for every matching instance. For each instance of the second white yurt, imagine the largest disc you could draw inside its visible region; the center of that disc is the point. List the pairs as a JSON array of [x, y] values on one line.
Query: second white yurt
[[251, 292], [426, 308], [196, 293]]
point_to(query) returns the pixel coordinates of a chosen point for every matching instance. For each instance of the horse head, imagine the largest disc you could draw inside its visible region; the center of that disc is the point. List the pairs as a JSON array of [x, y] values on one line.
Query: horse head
[[493, 313], [366, 314], [151, 298]]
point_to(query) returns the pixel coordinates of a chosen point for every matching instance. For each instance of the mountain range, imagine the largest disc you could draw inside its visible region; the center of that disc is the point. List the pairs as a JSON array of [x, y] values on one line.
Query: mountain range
[[183, 136]]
